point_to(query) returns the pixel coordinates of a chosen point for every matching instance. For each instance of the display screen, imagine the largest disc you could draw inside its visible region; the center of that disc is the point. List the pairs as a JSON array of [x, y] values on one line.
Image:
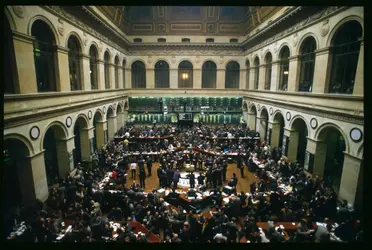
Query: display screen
[[185, 116]]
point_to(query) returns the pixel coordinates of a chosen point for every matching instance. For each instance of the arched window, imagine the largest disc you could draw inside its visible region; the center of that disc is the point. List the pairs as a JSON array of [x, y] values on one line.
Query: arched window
[[138, 75], [93, 66], [209, 75], [44, 56], [256, 72], [185, 75], [232, 76], [307, 57], [74, 63], [116, 72], [284, 68], [268, 62], [161, 74], [106, 59], [345, 54], [9, 60], [124, 65], [247, 75]]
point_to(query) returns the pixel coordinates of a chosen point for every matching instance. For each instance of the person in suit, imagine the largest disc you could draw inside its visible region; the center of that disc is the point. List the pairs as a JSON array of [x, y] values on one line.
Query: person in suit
[[142, 176], [176, 179], [170, 173], [160, 173], [224, 170], [240, 166], [192, 180], [253, 187], [149, 165], [201, 179]]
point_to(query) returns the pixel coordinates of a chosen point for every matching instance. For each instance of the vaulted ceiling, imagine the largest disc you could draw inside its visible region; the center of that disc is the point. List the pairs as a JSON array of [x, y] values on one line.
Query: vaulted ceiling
[[188, 20]]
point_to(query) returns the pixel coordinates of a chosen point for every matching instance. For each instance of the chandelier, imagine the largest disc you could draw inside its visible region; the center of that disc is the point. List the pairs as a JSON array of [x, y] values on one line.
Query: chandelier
[[185, 76]]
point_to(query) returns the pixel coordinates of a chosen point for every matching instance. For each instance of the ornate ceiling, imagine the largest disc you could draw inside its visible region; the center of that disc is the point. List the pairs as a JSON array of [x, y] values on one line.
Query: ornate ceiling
[[188, 20]]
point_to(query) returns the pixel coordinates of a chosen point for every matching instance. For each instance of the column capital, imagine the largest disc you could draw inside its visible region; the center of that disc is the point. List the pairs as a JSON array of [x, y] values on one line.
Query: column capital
[[112, 117], [195, 69], [66, 139], [99, 61], [62, 50], [22, 37], [352, 156], [149, 69], [262, 65], [314, 140], [85, 56], [41, 152], [293, 58], [111, 64], [88, 129], [276, 62], [322, 51], [274, 123], [101, 122], [221, 69]]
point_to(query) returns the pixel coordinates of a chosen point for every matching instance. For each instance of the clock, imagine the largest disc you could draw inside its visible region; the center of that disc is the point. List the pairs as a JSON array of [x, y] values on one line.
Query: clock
[[271, 111], [288, 116], [68, 121], [90, 114], [104, 109], [34, 133], [356, 134], [313, 123]]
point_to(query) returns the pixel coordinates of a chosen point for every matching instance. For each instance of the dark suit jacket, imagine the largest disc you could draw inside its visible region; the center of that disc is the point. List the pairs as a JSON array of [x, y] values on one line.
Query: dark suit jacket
[[176, 176]]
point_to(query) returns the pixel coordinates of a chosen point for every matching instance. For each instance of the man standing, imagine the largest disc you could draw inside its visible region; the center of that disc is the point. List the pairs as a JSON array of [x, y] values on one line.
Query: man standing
[[224, 170], [192, 180], [142, 174], [133, 167], [170, 173], [176, 179], [160, 172], [240, 165], [149, 165]]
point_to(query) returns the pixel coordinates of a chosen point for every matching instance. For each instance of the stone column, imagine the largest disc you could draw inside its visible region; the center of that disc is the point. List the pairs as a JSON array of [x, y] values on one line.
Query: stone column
[[123, 79], [242, 78], [128, 79], [100, 133], [261, 125], [251, 121], [221, 73], [62, 70], [173, 78], [197, 74], [294, 73], [322, 70], [359, 76], [25, 82], [252, 71], [120, 120], [275, 134], [120, 77], [150, 78], [293, 144], [319, 150], [101, 74], [65, 156], [261, 80], [111, 125], [85, 73], [112, 75], [86, 134], [275, 71], [351, 178], [37, 188]]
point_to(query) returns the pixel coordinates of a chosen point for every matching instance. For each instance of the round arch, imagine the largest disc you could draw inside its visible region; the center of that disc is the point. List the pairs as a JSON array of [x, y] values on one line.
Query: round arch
[[120, 107], [110, 110], [107, 52], [264, 110], [319, 135], [84, 117], [252, 108], [73, 33], [284, 44], [23, 139], [303, 38], [256, 56], [94, 44], [245, 106], [232, 60], [60, 132], [100, 114], [126, 106], [290, 125], [266, 54], [136, 60], [10, 18], [276, 115], [342, 22], [50, 24], [162, 59], [183, 60], [209, 59]]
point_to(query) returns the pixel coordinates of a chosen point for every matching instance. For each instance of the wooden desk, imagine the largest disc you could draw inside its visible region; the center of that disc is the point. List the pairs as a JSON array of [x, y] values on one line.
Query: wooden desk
[[152, 238]]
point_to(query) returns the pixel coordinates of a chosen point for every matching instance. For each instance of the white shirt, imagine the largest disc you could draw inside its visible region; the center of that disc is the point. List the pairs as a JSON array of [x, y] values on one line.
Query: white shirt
[[126, 135], [133, 166]]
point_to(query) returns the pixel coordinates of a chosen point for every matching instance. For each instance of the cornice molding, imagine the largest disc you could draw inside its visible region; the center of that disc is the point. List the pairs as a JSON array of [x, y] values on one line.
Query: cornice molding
[[23, 37], [180, 50], [311, 20]]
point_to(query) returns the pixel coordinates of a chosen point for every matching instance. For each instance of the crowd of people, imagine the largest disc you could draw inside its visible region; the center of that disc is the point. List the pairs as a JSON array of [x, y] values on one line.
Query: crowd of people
[[283, 193]]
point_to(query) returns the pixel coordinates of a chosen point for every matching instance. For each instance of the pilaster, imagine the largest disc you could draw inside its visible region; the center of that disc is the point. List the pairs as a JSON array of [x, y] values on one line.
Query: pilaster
[[40, 185], [112, 75], [242, 78], [65, 156], [359, 76], [351, 178], [293, 77], [221, 74], [63, 71], [197, 73], [321, 70], [261, 80], [173, 78], [111, 125], [150, 78], [85, 73], [275, 76], [101, 75]]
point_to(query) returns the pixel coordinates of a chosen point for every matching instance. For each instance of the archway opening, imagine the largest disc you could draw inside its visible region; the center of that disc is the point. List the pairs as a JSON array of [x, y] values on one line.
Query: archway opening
[[54, 156], [98, 130], [300, 131], [185, 75], [111, 126], [264, 124], [18, 186], [93, 66], [209, 75], [252, 118], [278, 130], [80, 135], [334, 161], [75, 63], [161, 74]]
